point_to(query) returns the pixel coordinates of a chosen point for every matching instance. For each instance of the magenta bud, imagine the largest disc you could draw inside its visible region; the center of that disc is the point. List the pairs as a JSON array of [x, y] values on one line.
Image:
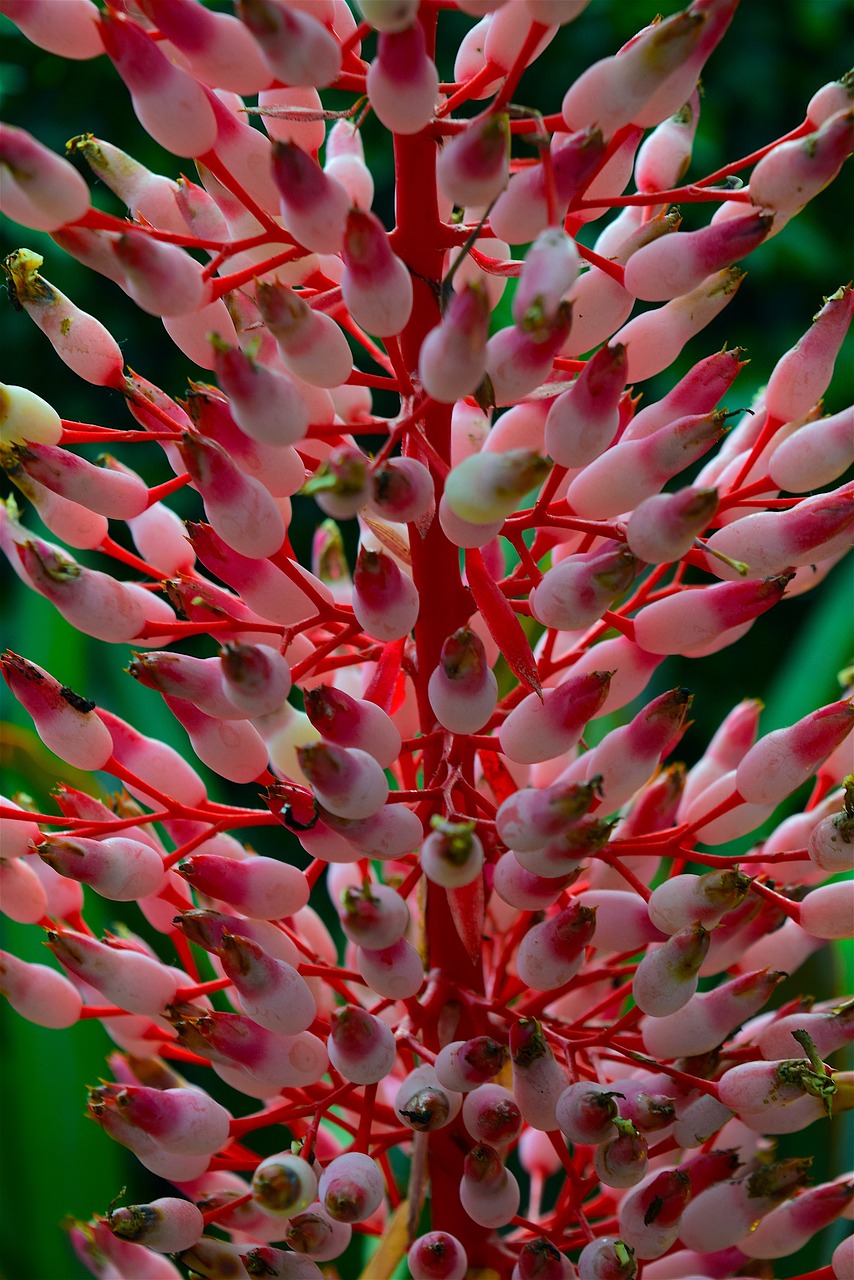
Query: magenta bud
[[583, 421], [376, 286], [166, 1225], [118, 868], [402, 81], [351, 1187], [709, 1017], [586, 1111], [346, 780], [649, 1215], [275, 595], [40, 189], [664, 527], [551, 953], [310, 343], [66, 723], [91, 601], [522, 211], [491, 1115], [314, 206], [79, 339], [487, 487], [576, 591], [793, 1224], [373, 916], [437, 1256], [463, 1065], [169, 103], [801, 377], [542, 728], [247, 1049], [519, 358], [675, 265], [271, 991], [161, 766], [782, 760], [361, 1046], [423, 1104], [462, 689], [129, 979], [196, 680], [538, 1080], [240, 508], [38, 993], [260, 887], [403, 491], [683, 900], [548, 273], [353, 722], [296, 47], [255, 678], [792, 173], [265, 404], [452, 855], [724, 1214], [667, 976], [385, 599], [693, 618], [472, 168], [489, 1193], [699, 391], [452, 359]]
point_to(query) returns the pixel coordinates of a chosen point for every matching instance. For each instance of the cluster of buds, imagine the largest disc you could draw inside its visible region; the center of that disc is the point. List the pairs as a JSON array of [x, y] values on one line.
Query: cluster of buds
[[499, 983]]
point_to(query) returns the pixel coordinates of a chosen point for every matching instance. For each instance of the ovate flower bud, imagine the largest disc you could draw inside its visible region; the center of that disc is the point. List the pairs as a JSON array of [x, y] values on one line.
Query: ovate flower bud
[[583, 421], [167, 1225], [452, 359], [793, 1224], [310, 343], [66, 723], [264, 403], [782, 760], [255, 678], [522, 211], [827, 912], [395, 972], [551, 953], [538, 1080], [297, 48], [147, 195], [709, 1017], [437, 1256], [284, 1184], [259, 887], [38, 993], [623, 1160], [385, 600], [816, 454], [402, 81], [373, 917], [351, 1187], [347, 781], [128, 979], [462, 689], [801, 377], [314, 206], [375, 285], [361, 1046], [27, 419], [667, 976], [79, 339], [423, 1104], [274, 594], [40, 189], [665, 154], [452, 855], [520, 357], [772, 541], [789, 176], [76, 37], [472, 168], [353, 722], [161, 278], [168, 102], [672, 266], [156, 763], [487, 487], [689, 619], [664, 527], [118, 868], [586, 1111], [271, 991], [489, 1193], [724, 1214], [607, 1258], [91, 601], [688, 899], [548, 273], [240, 508], [541, 728], [574, 593], [341, 486]]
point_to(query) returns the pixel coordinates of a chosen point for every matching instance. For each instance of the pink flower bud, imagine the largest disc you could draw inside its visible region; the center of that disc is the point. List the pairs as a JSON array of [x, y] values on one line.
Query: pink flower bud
[[489, 1193], [22, 895], [538, 1080], [452, 855], [156, 763], [541, 728], [403, 491], [91, 601], [240, 508], [464, 1065], [632, 470], [689, 899], [66, 723], [622, 920], [79, 339], [255, 678], [771, 541], [487, 487], [462, 689], [793, 1224], [385, 600], [161, 278], [709, 1017], [184, 1121], [423, 1104], [829, 1030], [311, 343], [724, 1214], [167, 1225], [296, 47], [260, 887], [167, 101], [472, 168], [342, 484], [361, 1046], [607, 1258], [375, 917], [818, 453], [667, 976], [801, 377], [673, 266], [271, 991], [119, 495], [40, 189], [789, 176], [583, 421], [548, 272], [649, 1215], [147, 195], [552, 953], [402, 81], [347, 781], [314, 206], [27, 419], [665, 154], [195, 680], [522, 211], [353, 722], [692, 618], [519, 357], [272, 593], [452, 360], [623, 1160], [524, 889], [437, 1256], [391, 832], [265, 404], [129, 979], [782, 760], [38, 993], [376, 286], [117, 868], [698, 392], [612, 92], [576, 592], [827, 912], [75, 37], [664, 527], [253, 1056], [654, 339], [395, 972]]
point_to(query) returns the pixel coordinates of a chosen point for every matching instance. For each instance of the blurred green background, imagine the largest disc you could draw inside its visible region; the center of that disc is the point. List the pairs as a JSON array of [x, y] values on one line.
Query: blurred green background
[[755, 88]]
